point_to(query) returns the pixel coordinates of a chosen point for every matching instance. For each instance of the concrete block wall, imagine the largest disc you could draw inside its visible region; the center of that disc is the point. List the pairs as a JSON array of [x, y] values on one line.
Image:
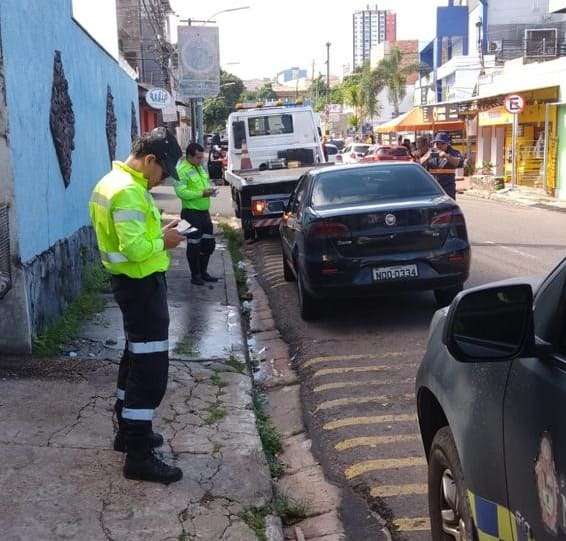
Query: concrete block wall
[[50, 220]]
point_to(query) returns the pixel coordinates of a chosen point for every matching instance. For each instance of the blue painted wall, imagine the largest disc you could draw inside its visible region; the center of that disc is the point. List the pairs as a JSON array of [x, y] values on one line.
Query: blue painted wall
[[31, 31]]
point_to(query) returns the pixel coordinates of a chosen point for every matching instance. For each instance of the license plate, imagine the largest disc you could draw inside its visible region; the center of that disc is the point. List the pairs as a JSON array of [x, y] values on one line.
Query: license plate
[[395, 273]]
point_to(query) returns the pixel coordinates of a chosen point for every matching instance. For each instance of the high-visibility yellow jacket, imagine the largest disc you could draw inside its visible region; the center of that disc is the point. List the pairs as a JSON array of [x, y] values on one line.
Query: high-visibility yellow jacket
[[192, 182], [127, 224]]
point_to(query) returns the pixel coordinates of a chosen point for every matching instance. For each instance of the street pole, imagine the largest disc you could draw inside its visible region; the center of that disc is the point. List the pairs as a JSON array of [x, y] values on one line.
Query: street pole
[[328, 72], [514, 151]]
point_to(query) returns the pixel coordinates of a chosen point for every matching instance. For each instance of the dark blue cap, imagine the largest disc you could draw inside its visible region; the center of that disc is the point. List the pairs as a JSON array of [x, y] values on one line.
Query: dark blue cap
[[442, 137]]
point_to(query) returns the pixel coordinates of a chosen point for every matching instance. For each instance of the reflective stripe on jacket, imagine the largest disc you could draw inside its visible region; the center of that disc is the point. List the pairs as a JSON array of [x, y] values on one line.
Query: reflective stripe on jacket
[[127, 224], [192, 182]]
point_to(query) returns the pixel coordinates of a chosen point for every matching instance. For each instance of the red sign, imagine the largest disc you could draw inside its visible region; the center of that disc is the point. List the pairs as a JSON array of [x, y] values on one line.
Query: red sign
[[514, 104]]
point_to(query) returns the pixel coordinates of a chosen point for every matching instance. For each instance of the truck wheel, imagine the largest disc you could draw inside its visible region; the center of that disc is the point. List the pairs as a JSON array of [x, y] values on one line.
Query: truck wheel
[[308, 305], [450, 514], [248, 229], [444, 297], [287, 271]]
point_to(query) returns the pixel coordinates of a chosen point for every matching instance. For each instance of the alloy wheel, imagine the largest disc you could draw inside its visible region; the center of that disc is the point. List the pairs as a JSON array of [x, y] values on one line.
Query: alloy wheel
[[452, 523]]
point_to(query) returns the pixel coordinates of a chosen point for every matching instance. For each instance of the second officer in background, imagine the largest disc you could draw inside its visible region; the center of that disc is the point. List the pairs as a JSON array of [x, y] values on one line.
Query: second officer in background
[[194, 190]]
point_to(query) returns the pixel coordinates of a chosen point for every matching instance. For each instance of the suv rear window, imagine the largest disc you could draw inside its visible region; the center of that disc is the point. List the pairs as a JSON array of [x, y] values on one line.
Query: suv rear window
[[370, 185], [361, 149]]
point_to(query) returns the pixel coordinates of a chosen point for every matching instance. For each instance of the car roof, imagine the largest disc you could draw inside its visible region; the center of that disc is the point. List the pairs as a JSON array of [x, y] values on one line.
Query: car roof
[[351, 167]]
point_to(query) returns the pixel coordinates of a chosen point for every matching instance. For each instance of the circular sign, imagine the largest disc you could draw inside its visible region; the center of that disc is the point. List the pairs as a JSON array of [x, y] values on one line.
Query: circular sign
[[158, 98], [514, 104]]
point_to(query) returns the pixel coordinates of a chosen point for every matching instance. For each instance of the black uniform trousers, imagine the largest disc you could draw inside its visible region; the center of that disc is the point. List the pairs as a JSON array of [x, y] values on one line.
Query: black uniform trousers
[[201, 243], [143, 372]]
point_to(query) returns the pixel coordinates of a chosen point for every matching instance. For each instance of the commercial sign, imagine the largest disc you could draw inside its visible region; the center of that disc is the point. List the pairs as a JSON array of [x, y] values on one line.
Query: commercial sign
[[158, 98], [514, 104], [441, 113], [498, 116], [199, 62]]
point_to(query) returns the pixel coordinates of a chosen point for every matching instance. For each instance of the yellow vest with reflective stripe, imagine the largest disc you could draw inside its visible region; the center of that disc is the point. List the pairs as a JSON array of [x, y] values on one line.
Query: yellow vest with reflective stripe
[[127, 224], [192, 182]]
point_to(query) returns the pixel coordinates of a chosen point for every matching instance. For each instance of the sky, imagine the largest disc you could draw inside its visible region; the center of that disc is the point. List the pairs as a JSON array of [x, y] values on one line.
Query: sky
[[277, 34]]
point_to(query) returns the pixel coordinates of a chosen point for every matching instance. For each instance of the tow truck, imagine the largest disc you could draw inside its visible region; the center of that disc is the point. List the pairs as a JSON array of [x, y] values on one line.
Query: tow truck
[[270, 147]]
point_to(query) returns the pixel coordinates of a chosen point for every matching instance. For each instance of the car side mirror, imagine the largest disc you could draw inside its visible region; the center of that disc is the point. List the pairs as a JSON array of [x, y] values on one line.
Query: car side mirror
[[491, 323]]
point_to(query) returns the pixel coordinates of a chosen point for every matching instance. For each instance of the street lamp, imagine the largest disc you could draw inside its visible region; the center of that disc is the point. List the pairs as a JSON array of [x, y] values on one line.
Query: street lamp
[[209, 19]]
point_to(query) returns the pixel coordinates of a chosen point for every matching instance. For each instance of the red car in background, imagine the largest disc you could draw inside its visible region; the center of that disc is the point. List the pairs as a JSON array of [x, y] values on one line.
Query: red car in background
[[387, 153]]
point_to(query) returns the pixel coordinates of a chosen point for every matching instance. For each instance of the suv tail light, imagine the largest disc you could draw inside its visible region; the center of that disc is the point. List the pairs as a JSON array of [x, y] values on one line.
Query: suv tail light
[[259, 207], [328, 229]]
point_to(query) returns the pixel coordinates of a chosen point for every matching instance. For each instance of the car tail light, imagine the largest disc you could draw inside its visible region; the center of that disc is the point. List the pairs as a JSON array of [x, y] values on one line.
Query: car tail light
[[454, 219], [259, 207], [327, 229], [338, 158]]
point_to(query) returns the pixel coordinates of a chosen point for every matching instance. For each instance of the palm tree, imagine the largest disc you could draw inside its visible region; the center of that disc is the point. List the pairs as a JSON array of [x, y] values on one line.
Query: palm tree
[[393, 73]]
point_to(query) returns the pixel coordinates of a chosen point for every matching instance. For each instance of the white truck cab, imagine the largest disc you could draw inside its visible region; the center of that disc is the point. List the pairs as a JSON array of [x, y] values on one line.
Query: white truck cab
[[269, 150]]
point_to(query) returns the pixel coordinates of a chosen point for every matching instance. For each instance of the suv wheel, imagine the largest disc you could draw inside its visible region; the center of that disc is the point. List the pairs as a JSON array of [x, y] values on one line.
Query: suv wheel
[[444, 297], [450, 514], [309, 306]]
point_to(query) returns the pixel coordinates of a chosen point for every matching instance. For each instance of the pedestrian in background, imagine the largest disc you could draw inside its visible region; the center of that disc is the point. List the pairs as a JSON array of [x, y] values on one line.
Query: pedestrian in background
[[442, 161], [421, 148], [133, 248], [194, 190]]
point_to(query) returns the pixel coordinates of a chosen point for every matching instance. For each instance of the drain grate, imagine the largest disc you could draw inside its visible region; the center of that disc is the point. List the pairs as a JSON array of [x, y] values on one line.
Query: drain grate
[[5, 270]]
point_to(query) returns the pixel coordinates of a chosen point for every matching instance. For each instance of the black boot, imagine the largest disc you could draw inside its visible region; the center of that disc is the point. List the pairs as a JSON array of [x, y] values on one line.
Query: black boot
[[155, 440], [204, 259], [143, 465], [197, 280], [150, 468]]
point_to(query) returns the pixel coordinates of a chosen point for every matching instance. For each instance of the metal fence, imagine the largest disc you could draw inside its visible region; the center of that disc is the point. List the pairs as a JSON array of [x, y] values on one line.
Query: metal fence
[[5, 267]]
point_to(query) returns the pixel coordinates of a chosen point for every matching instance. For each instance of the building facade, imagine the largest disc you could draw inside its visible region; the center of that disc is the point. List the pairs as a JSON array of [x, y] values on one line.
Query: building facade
[[370, 27], [67, 109]]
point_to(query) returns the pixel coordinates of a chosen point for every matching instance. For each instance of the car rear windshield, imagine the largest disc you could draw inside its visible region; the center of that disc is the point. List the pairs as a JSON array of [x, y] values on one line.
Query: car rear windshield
[[399, 151], [361, 149], [371, 185]]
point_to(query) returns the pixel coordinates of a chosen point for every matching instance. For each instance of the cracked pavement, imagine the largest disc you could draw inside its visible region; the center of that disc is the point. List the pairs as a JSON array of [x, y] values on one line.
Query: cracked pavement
[[61, 480]]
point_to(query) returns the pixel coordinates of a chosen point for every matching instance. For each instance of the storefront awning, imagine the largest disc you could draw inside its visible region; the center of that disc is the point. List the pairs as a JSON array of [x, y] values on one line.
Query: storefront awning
[[413, 120]]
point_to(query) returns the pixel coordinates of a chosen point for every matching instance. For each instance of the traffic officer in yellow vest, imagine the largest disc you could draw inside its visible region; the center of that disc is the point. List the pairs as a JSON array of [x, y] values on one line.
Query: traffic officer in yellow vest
[[133, 248], [194, 190]]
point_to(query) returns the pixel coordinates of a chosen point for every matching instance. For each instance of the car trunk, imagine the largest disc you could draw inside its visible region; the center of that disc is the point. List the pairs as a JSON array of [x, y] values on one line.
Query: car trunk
[[374, 232]]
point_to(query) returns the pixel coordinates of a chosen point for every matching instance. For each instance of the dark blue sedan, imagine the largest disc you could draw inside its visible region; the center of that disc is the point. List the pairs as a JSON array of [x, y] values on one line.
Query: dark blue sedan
[[372, 229]]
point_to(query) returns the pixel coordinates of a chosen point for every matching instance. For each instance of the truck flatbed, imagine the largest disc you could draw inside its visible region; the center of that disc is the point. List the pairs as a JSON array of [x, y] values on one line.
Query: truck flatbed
[[252, 177]]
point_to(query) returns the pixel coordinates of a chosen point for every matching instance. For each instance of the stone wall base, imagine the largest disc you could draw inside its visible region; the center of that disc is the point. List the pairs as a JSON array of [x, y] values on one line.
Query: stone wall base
[[54, 278]]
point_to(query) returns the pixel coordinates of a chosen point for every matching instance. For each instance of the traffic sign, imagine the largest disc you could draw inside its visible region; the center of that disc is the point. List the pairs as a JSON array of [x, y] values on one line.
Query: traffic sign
[[515, 104]]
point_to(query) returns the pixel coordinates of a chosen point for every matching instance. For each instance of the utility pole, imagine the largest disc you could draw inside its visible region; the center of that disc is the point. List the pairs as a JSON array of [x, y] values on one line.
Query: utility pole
[[328, 72]]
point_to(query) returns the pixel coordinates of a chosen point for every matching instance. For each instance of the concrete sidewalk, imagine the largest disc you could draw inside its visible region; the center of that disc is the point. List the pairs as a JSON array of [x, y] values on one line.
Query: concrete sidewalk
[[61, 480]]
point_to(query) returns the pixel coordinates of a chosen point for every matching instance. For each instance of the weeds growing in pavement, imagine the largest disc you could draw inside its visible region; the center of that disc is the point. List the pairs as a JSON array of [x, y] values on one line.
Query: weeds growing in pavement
[[235, 240], [289, 509], [65, 329], [254, 517], [215, 414], [217, 380], [269, 435], [236, 364]]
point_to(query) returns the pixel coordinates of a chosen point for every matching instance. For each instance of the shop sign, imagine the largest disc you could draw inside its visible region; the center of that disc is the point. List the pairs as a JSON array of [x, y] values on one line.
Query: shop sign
[[158, 98], [441, 113], [497, 116], [514, 104]]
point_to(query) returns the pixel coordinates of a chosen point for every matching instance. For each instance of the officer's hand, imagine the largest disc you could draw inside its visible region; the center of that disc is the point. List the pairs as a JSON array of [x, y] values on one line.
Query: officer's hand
[[172, 238], [208, 192], [443, 154], [171, 225]]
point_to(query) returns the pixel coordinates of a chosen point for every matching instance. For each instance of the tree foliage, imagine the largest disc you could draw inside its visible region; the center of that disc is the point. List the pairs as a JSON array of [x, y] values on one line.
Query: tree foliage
[[217, 109], [266, 93]]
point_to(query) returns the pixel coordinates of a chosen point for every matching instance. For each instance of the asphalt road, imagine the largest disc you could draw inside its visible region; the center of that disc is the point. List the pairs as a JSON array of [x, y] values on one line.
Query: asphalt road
[[358, 363]]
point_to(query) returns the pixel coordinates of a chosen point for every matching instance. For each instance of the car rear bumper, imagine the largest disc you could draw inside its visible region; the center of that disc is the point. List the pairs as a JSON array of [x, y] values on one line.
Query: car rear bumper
[[347, 278]]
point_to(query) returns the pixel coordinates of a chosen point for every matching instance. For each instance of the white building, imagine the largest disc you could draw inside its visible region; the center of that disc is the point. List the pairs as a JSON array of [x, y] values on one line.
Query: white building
[[371, 26]]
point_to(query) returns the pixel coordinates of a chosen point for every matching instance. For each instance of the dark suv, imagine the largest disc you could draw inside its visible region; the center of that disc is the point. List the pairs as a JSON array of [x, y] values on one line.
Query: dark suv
[[491, 393]]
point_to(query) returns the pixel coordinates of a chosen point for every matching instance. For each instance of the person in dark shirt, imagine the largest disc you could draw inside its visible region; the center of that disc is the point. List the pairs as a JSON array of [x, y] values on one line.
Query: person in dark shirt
[[441, 161]]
